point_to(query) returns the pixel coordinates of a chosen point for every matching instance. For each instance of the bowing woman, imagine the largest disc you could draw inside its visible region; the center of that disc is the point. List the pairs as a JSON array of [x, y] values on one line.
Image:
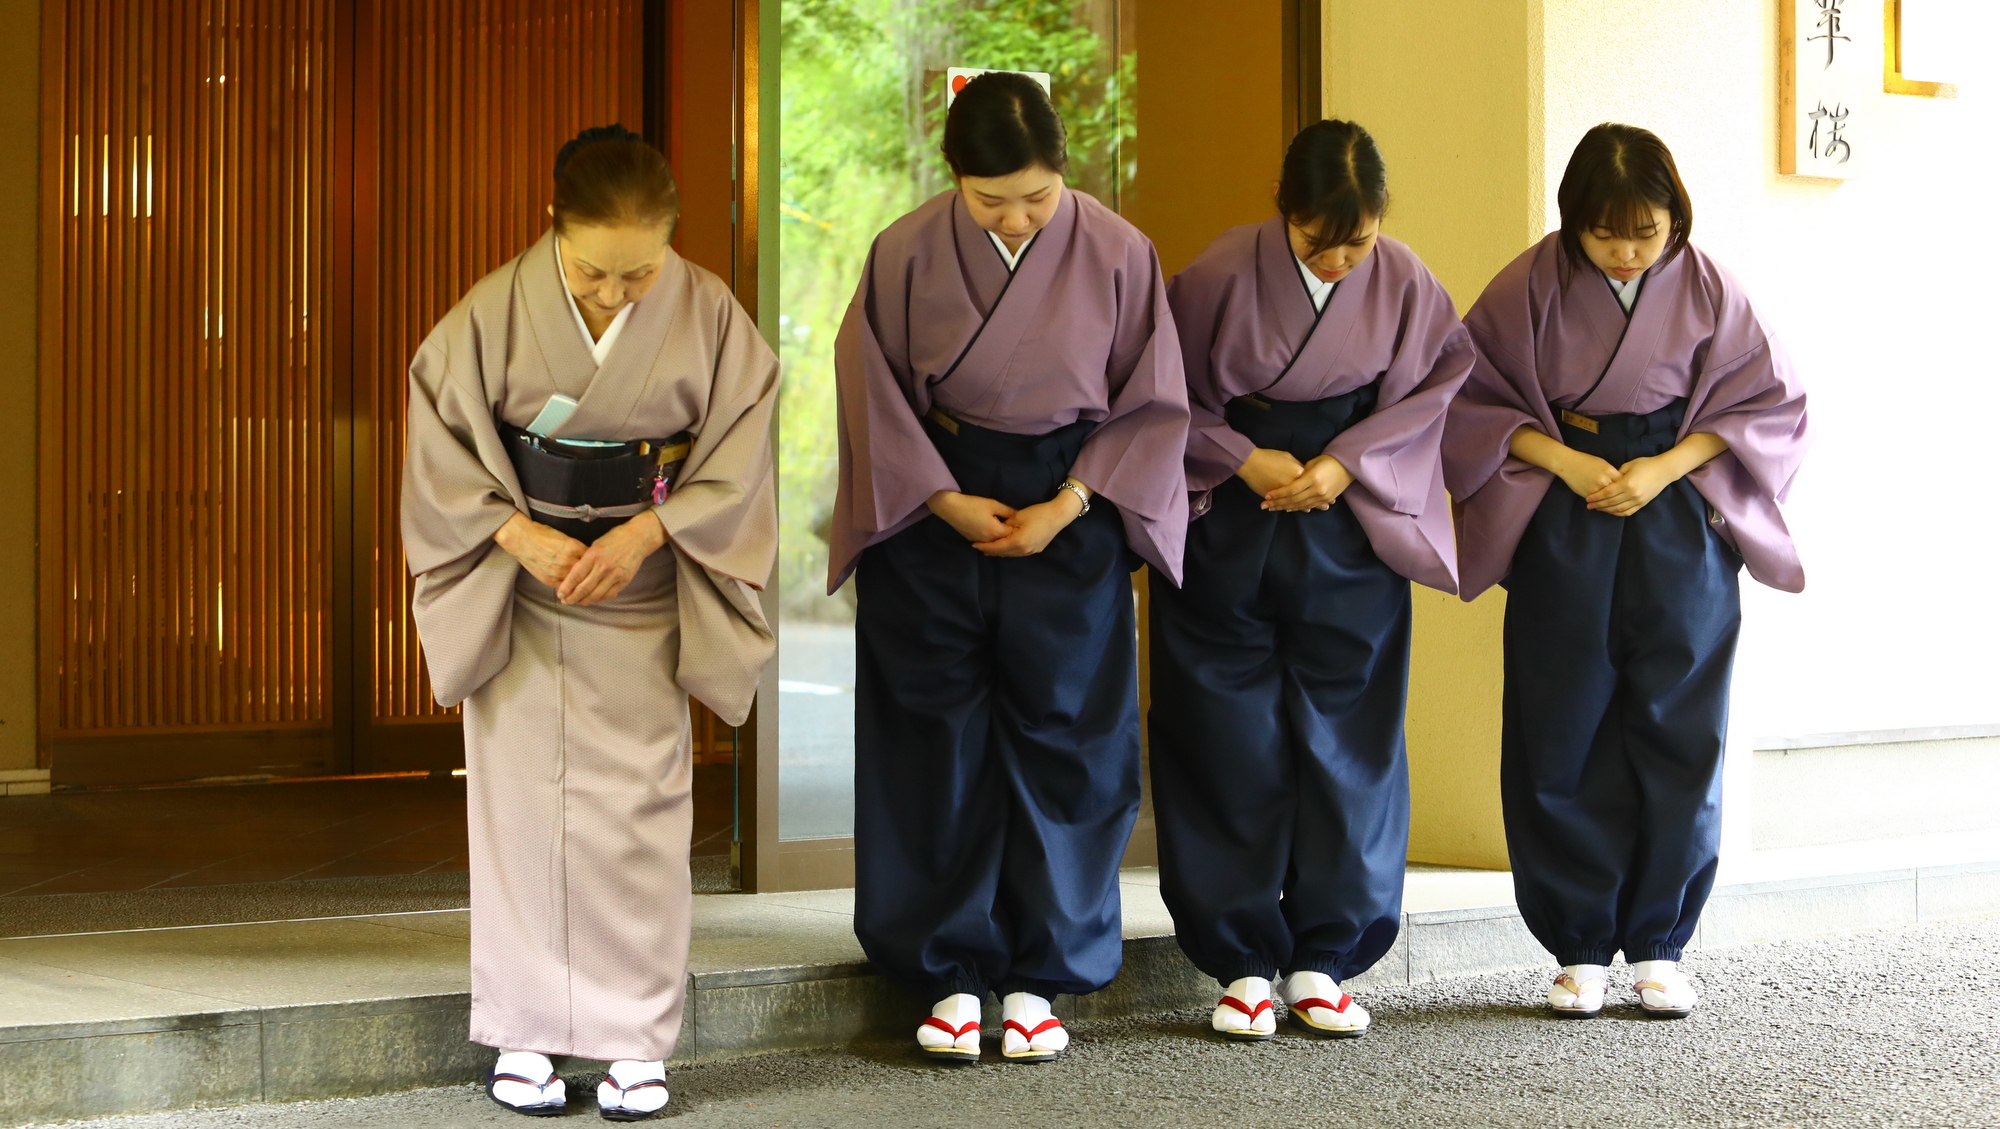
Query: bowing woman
[[1620, 452], [1321, 356], [587, 507], [1012, 417]]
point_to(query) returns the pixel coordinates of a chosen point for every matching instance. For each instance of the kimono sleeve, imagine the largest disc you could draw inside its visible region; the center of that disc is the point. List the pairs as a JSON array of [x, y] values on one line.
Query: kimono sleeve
[[452, 504], [1393, 454], [888, 467], [724, 513], [1215, 450], [1135, 456]]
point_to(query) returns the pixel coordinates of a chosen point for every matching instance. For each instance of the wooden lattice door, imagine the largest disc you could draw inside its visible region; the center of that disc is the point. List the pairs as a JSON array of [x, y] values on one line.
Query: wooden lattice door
[[252, 212]]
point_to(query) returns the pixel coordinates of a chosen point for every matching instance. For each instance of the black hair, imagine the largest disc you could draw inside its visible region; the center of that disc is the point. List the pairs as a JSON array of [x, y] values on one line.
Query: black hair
[[1333, 177], [1616, 177], [609, 175], [1003, 123]]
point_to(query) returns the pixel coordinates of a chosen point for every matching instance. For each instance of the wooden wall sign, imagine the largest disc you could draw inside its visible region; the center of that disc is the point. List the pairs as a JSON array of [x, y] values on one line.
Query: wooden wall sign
[[1829, 86]]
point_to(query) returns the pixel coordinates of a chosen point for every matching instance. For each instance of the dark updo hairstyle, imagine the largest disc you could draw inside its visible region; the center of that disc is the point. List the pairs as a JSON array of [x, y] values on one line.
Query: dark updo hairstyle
[[1333, 177], [609, 175], [1003, 123], [1616, 177]]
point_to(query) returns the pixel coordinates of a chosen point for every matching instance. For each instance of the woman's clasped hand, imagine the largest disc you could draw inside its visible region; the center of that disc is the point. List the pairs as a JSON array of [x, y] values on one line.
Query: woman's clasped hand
[[1287, 485], [581, 574], [998, 529]]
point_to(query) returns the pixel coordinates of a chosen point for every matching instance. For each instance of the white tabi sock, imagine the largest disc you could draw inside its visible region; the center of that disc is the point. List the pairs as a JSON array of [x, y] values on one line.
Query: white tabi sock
[[532, 1065], [1030, 1012], [956, 1010], [1250, 991], [1334, 1010], [1590, 980], [1675, 992], [640, 1087]]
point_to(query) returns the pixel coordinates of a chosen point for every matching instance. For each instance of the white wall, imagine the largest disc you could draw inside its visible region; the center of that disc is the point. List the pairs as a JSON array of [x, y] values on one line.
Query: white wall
[[1880, 288]]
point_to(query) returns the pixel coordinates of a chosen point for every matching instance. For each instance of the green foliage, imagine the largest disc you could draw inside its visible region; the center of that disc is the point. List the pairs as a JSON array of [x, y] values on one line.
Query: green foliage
[[861, 113]]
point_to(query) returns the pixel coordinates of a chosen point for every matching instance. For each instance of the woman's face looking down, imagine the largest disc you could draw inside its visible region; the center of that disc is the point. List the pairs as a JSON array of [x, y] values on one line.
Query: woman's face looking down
[[1014, 206]]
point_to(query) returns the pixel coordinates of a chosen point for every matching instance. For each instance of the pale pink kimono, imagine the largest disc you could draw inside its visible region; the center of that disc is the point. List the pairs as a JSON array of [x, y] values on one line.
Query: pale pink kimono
[[576, 718]]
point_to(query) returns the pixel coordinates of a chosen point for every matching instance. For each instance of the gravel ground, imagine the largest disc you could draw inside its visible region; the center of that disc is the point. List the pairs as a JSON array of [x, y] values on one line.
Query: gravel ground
[[1890, 1028]]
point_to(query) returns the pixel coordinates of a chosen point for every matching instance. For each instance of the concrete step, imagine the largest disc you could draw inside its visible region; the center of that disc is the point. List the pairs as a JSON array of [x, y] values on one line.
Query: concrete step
[[142, 1020]]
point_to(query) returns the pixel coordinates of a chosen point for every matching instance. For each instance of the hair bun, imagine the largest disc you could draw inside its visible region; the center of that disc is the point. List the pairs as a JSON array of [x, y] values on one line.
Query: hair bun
[[596, 133]]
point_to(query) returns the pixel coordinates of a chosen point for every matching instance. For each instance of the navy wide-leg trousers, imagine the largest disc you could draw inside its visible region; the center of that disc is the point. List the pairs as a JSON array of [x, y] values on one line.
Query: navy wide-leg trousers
[[1280, 671], [996, 739], [1620, 633]]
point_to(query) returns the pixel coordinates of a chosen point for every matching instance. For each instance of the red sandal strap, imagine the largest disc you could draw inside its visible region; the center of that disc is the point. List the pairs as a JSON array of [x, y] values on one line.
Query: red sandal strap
[[1315, 1001], [954, 1032], [1253, 1012], [1044, 1025]]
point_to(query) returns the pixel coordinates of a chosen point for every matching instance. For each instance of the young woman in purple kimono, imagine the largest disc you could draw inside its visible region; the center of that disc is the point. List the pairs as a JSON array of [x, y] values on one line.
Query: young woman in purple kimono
[[1619, 454], [1012, 417], [1321, 356]]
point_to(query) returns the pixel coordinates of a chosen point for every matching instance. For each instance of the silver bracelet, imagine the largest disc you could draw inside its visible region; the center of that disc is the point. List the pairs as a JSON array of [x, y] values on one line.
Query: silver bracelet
[[1080, 495]]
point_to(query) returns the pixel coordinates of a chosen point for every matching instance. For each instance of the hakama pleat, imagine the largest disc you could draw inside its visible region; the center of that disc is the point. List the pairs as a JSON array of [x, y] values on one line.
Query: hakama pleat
[[996, 740], [580, 809], [1280, 671], [1620, 634]]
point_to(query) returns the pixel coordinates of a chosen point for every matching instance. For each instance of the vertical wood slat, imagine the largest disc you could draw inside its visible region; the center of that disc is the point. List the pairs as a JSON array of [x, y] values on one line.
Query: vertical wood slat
[[187, 382], [189, 336], [475, 98]]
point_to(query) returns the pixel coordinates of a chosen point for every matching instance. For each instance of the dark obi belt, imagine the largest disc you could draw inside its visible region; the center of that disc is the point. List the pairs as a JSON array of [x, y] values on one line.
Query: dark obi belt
[[584, 488], [1303, 428]]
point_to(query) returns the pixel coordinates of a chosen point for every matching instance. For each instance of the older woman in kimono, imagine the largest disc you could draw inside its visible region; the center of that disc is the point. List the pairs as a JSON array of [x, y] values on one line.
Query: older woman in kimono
[[588, 508], [1620, 452], [1321, 356], [1012, 416]]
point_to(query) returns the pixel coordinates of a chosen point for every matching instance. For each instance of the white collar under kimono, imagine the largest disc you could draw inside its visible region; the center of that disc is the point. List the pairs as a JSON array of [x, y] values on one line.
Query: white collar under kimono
[[601, 347], [1319, 288], [1628, 292], [1012, 258]]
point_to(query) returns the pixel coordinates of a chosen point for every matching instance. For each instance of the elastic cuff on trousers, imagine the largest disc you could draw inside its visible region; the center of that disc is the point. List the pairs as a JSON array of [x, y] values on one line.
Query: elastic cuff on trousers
[[1047, 989], [937, 990], [1325, 965], [1652, 952], [1230, 974]]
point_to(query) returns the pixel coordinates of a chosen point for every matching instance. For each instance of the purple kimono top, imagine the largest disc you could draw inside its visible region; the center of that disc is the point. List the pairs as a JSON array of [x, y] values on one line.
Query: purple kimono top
[[1692, 333], [1079, 330], [1247, 324]]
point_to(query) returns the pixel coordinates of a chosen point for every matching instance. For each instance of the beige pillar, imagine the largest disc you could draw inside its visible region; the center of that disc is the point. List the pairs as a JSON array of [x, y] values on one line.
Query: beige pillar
[[1450, 91]]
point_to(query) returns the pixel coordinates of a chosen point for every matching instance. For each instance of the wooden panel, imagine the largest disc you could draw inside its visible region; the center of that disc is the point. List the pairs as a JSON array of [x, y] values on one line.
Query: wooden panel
[[703, 135], [470, 101], [252, 211], [188, 392]]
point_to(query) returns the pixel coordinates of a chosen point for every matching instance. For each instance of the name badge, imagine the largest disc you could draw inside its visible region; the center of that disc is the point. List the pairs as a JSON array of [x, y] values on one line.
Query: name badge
[[1579, 421]]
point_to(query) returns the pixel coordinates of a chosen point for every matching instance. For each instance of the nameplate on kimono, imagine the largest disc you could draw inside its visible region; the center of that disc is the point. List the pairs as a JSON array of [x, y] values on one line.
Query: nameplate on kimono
[[1579, 421]]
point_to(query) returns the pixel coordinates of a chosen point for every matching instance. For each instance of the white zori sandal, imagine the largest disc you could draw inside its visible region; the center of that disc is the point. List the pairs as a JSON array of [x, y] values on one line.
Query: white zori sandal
[[633, 1091], [1245, 1013], [1578, 992], [1319, 1006], [1664, 990], [951, 1034], [1029, 1031], [526, 1082]]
